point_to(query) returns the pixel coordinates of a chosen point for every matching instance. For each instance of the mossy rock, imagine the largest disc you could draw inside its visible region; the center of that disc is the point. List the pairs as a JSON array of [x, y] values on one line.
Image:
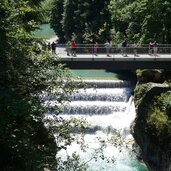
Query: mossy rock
[[150, 129], [145, 76]]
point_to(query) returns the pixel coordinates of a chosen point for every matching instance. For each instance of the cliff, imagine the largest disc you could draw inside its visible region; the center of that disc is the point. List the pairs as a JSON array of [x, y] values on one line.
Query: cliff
[[152, 126]]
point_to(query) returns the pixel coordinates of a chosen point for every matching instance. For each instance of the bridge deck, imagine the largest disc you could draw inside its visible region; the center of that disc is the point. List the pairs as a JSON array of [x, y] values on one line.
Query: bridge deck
[[115, 57], [115, 62]]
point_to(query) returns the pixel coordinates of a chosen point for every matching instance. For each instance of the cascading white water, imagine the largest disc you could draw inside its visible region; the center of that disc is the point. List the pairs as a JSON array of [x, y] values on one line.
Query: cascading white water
[[107, 107]]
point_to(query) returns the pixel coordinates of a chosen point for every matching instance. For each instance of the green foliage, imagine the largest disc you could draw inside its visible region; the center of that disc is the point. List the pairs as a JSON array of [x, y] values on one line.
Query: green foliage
[[142, 20], [139, 21], [46, 8], [25, 143], [56, 18], [164, 102], [25, 74], [159, 118], [76, 162], [140, 92], [72, 163], [85, 20], [139, 73]]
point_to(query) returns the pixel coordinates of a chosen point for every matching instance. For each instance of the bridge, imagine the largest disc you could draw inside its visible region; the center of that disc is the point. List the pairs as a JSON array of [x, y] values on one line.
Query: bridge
[[86, 59]]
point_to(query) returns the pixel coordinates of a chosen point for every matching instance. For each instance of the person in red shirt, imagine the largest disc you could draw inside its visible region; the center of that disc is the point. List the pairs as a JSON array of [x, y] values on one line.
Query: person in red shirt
[[73, 48]]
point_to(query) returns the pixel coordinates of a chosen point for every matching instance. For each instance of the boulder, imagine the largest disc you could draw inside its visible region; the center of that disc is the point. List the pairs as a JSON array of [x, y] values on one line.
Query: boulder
[[155, 76], [155, 156]]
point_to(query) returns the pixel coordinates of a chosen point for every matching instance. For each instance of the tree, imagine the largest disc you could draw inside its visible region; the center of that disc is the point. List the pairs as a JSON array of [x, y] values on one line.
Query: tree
[[87, 22], [25, 75], [29, 79], [56, 19], [46, 8], [141, 20]]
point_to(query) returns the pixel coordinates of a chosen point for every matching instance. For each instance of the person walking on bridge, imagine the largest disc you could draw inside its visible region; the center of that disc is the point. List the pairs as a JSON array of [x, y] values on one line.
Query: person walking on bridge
[[150, 48], [53, 47], [135, 46], [124, 48], [68, 48], [155, 45], [107, 46], [95, 46], [73, 48]]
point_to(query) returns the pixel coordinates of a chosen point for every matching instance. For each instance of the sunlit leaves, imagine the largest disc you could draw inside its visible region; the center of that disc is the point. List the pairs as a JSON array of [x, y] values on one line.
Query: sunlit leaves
[[150, 18]]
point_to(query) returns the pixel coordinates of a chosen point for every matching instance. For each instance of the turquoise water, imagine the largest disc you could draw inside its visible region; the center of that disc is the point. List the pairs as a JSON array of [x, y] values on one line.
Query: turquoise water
[[128, 163], [44, 32], [102, 74], [131, 165]]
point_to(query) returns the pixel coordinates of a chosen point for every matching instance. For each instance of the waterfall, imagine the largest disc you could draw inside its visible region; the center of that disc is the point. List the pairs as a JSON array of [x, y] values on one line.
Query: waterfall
[[108, 107]]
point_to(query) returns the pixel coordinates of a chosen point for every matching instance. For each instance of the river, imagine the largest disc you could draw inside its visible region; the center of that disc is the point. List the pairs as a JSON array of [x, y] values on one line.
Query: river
[[44, 32], [109, 109]]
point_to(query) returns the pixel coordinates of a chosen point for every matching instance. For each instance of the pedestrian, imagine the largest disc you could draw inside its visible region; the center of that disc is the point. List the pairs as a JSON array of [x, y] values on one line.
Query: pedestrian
[[53, 47], [68, 48], [73, 48], [124, 48], [107, 46], [155, 48], [135, 46], [150, 48], [95, 46]]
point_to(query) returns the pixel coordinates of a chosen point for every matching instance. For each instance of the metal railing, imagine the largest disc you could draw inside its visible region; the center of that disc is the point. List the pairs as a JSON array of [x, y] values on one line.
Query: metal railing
[[113, 45], [113, 50]]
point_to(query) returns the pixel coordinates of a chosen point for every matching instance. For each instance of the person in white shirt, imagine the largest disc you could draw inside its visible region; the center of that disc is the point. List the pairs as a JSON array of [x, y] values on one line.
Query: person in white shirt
[[107, 46]]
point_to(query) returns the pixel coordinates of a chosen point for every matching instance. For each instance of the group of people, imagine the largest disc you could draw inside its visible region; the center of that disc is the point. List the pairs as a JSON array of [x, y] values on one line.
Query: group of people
[[71, 48], [152, 48], [52, 47], [124, 45], [107, 46]]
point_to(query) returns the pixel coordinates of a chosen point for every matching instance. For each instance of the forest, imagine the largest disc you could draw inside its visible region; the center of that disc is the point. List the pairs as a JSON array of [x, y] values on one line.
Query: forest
[[26, 73], [91, 20]]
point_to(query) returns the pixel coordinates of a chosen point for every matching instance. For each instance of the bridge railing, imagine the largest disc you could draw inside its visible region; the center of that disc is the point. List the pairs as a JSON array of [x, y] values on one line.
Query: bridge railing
[[101, 49], [113, 45]]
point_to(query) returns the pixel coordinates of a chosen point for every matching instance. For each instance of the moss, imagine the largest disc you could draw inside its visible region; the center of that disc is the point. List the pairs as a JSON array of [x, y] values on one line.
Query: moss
[[139, 73], [140, 92], [153, 105], [159, 120]]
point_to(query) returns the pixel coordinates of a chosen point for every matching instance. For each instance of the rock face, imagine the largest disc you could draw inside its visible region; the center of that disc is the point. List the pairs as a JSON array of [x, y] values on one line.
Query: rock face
[[157, 157], [154, 75]]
